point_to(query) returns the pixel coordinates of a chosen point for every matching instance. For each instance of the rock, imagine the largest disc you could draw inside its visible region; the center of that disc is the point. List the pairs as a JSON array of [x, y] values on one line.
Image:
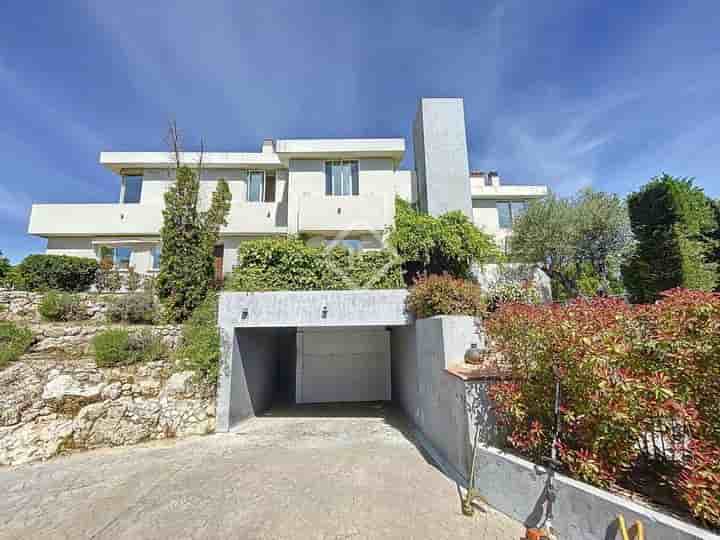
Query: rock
[[34, 441], [180, 384], [112, 391], [149, 388], [66, 386]]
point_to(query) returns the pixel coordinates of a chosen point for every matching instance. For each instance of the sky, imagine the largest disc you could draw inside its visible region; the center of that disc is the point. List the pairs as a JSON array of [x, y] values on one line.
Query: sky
[[566, 93]]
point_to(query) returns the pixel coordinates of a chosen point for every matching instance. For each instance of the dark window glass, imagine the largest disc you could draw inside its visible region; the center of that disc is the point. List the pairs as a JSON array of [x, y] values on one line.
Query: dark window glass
[[270, 187], [133, 188]]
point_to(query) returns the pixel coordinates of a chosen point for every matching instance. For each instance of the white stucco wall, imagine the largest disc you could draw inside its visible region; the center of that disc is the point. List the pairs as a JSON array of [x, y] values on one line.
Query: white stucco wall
[[485, 217], [76, 247]]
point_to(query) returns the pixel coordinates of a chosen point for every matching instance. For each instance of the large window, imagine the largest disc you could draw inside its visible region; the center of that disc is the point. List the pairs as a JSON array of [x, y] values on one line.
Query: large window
[[261, 186], [119, 256], [509, 211], [132, 188], [341, 178]]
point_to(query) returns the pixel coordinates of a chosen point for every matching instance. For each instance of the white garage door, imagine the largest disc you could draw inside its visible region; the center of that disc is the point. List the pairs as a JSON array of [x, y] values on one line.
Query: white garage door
[[343, 365]]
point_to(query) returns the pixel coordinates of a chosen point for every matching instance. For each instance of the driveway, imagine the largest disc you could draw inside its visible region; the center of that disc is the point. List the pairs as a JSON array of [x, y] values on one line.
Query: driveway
[[304, 472]]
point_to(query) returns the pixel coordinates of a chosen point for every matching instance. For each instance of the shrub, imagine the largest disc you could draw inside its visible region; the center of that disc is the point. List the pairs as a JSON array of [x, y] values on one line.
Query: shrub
[[5, 268], [450, 243], [632, 377], [60, 272], [512, 292], [148, 347], [673, 222], [133, 280], [445, 295], [107, 278], [60, 306], [112, 347], [134, 308], [288, 264], [14, 341], [200, 345]]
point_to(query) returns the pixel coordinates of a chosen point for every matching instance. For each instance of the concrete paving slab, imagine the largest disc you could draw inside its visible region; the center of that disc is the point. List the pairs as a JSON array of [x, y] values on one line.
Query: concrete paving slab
[[310, 472]]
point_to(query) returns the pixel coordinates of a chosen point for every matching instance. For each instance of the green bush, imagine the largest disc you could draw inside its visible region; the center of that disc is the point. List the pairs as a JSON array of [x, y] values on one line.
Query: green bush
[[273, 264], [200, 345], [61, 306], [673, 222], [14, 341], [133, 280], [59, 272], [445, 295], [107, 278], [133, 308], [148, 347], [5, 268], [450, 243], [512, 292], [112, 347]]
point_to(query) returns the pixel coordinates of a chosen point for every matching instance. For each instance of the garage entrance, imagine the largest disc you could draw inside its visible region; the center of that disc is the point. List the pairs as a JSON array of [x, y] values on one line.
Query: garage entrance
[[291, 366], [295, 348]]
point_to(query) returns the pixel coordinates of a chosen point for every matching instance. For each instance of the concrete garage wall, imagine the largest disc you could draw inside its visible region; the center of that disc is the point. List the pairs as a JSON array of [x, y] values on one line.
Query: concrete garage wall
[[254, 370], [343, 364]]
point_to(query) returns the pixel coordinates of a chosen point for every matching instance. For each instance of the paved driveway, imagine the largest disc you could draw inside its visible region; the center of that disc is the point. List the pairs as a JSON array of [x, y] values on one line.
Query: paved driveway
[[308, 472]]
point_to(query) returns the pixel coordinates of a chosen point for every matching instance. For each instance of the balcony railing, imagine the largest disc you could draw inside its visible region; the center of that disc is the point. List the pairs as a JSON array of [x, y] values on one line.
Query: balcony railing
[[322, 213], [144, 219]]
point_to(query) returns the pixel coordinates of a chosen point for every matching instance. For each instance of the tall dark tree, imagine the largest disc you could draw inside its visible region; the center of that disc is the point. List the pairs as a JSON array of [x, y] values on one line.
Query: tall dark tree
[[672, 220], [188, 237]]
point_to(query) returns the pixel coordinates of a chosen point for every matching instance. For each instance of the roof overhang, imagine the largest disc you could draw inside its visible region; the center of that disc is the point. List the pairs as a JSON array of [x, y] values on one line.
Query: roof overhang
[[509, 192], [122, 161], [341, 148]]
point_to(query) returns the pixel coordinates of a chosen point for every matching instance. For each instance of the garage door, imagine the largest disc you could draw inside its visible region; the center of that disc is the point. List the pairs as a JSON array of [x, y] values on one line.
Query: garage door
[[343, 365]]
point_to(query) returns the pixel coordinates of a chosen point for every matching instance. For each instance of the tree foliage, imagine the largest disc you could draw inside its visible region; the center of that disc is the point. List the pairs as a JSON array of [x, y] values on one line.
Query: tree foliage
[[188, 237], [59, 272], [565, 236], [5, 267], [450, 243], [673, 222]]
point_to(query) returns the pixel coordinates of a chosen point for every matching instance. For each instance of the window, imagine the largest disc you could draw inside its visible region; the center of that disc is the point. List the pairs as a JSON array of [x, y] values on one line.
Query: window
[[156, 254], [132, 188], [488, 180], [508, 212], [351, 244], [261, 186], [341, 178], [120, 256], [256, 185]]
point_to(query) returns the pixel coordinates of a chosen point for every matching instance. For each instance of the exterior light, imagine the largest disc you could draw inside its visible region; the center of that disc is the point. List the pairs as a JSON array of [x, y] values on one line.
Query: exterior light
[[244, 314], [324, 312]]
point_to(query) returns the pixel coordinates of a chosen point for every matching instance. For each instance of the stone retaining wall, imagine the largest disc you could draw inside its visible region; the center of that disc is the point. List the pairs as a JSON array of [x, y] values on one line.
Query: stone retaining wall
[[52, 405], [23, 305], [75, 339]]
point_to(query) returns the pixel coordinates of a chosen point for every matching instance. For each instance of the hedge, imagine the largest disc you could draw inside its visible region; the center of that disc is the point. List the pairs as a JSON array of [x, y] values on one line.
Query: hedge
[[672, 221], [640, 387], [59, 272], [274, 264]]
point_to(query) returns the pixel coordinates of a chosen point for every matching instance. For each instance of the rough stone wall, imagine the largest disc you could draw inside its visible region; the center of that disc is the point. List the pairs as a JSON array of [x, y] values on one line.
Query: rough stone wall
[[74, 339], [52, 405], [23, 305]]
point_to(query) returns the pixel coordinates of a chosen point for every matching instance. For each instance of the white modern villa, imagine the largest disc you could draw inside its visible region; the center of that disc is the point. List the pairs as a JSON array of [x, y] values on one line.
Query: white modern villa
[[328, 190]]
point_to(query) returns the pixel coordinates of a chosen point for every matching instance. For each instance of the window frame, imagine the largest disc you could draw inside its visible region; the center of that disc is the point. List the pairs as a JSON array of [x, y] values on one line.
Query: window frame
[[262, 186], [509, 204], [123, 186], [155, 255], [354, 190]]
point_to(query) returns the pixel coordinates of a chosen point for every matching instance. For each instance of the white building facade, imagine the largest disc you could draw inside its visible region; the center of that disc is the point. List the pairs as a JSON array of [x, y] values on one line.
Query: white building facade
[[327, 190]]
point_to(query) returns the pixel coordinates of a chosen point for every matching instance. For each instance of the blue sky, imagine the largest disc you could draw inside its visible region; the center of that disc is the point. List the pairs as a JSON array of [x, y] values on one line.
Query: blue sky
[[568, 93]]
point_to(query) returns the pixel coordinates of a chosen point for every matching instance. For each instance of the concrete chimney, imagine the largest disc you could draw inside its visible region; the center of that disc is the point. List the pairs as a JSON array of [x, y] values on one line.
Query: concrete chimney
[[441, 159]]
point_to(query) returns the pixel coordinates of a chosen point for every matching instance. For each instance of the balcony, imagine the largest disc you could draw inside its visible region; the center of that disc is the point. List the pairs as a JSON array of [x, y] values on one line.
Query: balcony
[[95, 219], [144, 219], [322, 213]]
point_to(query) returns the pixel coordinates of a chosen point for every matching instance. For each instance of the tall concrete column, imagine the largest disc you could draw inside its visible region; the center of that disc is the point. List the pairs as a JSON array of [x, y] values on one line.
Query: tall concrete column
[[441, 158]]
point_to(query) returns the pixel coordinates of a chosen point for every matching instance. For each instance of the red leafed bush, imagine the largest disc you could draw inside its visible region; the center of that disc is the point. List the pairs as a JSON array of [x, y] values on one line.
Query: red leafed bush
[[637, 381]]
